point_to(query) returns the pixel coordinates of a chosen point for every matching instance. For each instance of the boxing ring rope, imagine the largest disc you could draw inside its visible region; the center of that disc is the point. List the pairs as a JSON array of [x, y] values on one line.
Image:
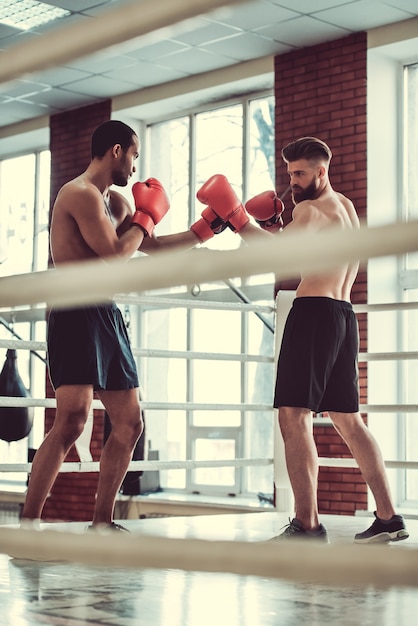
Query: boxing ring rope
[[161, 302], [296, 561], [146, 466], [214, 356], [50, 403], [92, 282]]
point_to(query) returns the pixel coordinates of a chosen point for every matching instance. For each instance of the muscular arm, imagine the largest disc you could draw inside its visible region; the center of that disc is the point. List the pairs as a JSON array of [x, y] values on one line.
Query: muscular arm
[[81, 229], [250, 232], [177, 241]]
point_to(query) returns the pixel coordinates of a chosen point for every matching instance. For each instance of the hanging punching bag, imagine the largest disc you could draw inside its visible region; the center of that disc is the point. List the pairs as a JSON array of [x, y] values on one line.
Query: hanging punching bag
[[15, 422]]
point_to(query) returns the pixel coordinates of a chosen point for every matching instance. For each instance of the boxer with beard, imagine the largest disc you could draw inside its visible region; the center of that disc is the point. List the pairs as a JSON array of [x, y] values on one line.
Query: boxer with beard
[[317, 366]]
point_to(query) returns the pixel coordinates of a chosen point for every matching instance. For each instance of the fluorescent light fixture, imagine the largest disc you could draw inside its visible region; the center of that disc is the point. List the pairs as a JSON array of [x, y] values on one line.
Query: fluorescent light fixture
[[27, 14]]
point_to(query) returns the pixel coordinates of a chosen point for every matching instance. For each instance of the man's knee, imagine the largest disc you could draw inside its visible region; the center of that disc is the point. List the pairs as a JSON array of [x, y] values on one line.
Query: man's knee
[[348, 425], [293, 419], [130, 428], [71, 422]]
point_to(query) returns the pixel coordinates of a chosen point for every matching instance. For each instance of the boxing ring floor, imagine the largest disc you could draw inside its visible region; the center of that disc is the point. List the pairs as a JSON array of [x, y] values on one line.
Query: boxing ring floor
[[67, 594]]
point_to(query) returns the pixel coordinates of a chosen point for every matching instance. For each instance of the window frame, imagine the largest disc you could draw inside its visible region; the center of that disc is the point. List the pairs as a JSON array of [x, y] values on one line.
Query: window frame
[[265, 291], [30, 323]]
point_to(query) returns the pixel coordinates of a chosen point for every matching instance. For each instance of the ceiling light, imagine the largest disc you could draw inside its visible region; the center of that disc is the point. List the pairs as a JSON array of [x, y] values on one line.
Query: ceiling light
[[27, 14]]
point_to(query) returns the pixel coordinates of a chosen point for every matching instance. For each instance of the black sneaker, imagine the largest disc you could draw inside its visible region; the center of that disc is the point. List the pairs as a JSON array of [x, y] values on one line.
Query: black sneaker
[[105, 527], [295, 530], [382, 531]]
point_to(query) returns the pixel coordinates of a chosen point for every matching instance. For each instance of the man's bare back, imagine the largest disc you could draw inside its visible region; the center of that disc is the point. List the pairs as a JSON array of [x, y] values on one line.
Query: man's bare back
[[330, 209]]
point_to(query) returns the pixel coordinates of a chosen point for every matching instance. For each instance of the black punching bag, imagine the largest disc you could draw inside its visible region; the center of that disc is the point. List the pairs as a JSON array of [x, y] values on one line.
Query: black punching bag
[[15, 422]]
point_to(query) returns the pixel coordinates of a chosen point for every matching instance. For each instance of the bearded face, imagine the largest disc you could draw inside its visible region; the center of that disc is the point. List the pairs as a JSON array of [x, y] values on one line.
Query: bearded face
[[305, 193], [122, 171], [124, 165]]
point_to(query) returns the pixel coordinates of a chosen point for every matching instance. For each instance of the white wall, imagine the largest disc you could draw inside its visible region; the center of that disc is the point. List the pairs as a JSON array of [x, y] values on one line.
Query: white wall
[[384, 205]]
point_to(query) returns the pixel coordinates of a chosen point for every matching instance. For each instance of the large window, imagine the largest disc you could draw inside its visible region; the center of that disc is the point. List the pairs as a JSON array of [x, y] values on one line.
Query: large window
[[24, 210], [236, 140]]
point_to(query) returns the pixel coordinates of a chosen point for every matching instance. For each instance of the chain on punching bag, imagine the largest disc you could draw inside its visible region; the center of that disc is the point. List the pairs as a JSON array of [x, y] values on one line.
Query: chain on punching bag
[[15, 422]]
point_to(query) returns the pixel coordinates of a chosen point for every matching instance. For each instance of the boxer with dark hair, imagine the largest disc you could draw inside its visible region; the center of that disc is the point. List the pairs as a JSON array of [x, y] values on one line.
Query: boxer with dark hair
[[88, 347]]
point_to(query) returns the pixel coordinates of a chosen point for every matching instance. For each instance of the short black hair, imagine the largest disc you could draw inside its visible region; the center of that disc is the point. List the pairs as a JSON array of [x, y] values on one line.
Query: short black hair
[[309, 148], [108, 135]]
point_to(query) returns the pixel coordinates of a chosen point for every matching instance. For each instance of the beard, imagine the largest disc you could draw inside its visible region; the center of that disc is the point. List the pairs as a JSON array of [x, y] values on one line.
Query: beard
[[120, 179], [309, 193], [119, 175]]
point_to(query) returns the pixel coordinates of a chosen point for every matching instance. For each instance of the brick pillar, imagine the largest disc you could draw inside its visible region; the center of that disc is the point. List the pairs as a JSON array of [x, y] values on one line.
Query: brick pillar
[[73, 495], [321, 91]]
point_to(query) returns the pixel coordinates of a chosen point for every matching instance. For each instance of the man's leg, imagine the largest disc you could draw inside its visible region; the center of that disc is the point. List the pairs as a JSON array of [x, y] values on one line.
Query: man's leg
[[366, 452], [73, 404], [387, 526], [125, 417], [302, 463]]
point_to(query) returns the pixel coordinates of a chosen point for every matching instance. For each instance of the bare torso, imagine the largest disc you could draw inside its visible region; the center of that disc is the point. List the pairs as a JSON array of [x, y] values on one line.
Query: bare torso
[[82, 214], [330, 209]]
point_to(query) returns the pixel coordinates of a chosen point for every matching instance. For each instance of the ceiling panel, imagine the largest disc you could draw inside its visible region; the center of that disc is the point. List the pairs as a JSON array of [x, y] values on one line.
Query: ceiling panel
[[144, 74], [363, 14], [239, 33], [303, 31]]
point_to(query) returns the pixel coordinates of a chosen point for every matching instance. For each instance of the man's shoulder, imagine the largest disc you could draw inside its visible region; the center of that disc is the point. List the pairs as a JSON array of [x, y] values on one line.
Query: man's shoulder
[[342, 198], [78, 189]]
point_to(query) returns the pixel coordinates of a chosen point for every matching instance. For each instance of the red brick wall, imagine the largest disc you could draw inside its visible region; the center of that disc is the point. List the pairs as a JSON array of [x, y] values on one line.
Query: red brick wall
[[73, 495], [321, 91]]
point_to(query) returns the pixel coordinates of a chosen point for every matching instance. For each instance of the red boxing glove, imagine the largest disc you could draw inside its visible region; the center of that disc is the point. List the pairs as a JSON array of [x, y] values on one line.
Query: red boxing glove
[[209, 225], [151, 204], [266, 209], [219, 195]]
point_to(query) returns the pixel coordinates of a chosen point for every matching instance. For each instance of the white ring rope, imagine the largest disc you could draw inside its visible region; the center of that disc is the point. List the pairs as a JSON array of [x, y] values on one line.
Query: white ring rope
[[159, 302], [172, 303], [206, 356], [20, 344], [286, 255], [348, 462], [50, 403], [116, 26], [385, 306], [150, 466], [146, 466], [298, 561], [388, 356]]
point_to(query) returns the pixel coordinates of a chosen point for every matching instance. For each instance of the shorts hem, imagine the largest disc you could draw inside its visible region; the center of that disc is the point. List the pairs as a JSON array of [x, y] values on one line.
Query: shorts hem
[[298, 405]]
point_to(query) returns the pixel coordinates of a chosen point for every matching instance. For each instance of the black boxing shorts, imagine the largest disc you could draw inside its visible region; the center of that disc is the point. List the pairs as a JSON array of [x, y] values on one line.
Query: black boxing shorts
[[90, 346], [317, 367]]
